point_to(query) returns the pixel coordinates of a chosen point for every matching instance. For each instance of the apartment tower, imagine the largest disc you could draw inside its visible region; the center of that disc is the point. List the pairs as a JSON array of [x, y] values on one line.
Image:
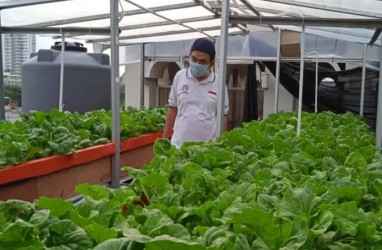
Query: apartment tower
[[16, 50]]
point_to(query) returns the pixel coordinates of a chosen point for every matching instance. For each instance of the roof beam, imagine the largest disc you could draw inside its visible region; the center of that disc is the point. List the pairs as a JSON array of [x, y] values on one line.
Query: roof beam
[[156, 24], [107, 16], [185, 20], [249, 6], [347, 32], [275, 12], [124, 43], [308, 21], [57, 30], [327, 8], [216, 8], [165, 33], [166, 18], [361, 38], [21, 3]]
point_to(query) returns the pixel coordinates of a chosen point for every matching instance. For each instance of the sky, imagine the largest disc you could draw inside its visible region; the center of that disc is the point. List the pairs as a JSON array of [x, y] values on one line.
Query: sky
[[43, 42]]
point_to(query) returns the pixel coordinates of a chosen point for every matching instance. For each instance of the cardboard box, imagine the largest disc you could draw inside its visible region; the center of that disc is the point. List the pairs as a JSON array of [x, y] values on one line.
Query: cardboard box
[[290, 44]]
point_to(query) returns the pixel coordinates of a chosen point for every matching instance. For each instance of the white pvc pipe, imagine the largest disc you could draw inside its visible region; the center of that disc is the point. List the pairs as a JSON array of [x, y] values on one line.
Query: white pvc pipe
[[316, 87], [142, 77], [316, 81], [2, 107], [301, 80], [115, 105], [379, 105], [222, 66], [61, 93], [277, 83], [361, 104]]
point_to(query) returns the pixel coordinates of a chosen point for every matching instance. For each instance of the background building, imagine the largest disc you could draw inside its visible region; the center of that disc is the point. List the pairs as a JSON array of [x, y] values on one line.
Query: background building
[[16, 50]]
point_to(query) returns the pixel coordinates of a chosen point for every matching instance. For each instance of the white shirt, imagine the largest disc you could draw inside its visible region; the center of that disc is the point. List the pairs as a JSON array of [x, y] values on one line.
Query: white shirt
[[197, 107]]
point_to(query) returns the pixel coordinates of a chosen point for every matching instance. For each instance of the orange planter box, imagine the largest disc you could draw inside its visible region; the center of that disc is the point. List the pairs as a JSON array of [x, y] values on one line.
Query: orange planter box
[[57, 176]]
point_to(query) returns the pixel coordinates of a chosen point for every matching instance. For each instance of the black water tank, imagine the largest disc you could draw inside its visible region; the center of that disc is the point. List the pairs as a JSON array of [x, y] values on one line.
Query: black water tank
[[86, 80]]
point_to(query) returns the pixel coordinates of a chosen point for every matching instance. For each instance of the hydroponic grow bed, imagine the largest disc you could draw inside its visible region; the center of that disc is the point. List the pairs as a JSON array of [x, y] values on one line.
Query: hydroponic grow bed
[[57, 176]]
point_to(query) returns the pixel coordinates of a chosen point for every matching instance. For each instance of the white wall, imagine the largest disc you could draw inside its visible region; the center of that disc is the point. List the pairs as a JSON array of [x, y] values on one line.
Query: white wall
[[286, 102], [132, 82], [155, 74], [151, 92]]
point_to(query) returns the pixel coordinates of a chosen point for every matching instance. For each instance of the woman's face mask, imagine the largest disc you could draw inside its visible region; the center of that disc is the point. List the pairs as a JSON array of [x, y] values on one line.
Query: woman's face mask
[[197, 69]]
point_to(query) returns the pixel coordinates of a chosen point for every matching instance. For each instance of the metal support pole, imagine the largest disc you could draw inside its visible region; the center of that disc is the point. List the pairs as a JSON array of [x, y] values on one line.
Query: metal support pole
[[114, 43], [277, 83], [316, 87], [61, 97], [301, 80], [222, 65], [379, 105], [142, 77], [361, 104], [316, 81], [2, 109]]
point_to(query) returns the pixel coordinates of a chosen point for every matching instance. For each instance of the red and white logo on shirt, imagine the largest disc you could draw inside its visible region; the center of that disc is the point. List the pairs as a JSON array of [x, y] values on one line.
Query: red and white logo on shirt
[[184, 88], [211, 92]]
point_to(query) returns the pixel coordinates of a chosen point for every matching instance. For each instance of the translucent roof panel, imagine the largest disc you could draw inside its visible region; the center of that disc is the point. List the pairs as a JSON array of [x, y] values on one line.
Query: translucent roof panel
[[322, 8], [148, 20], [346, 34], [175, 37], [185, 13], [146, 31], [49, 12], [335, 9], [67, 10], [160, 38]]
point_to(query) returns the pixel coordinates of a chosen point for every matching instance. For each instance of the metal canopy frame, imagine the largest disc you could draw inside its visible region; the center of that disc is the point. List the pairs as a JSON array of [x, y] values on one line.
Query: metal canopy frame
[[167, 19], [156, 34], [309, 21], [74, 31], [348, 32], [233, 15], [106, 16], [22, 3], [326, 8], [238, 7]]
